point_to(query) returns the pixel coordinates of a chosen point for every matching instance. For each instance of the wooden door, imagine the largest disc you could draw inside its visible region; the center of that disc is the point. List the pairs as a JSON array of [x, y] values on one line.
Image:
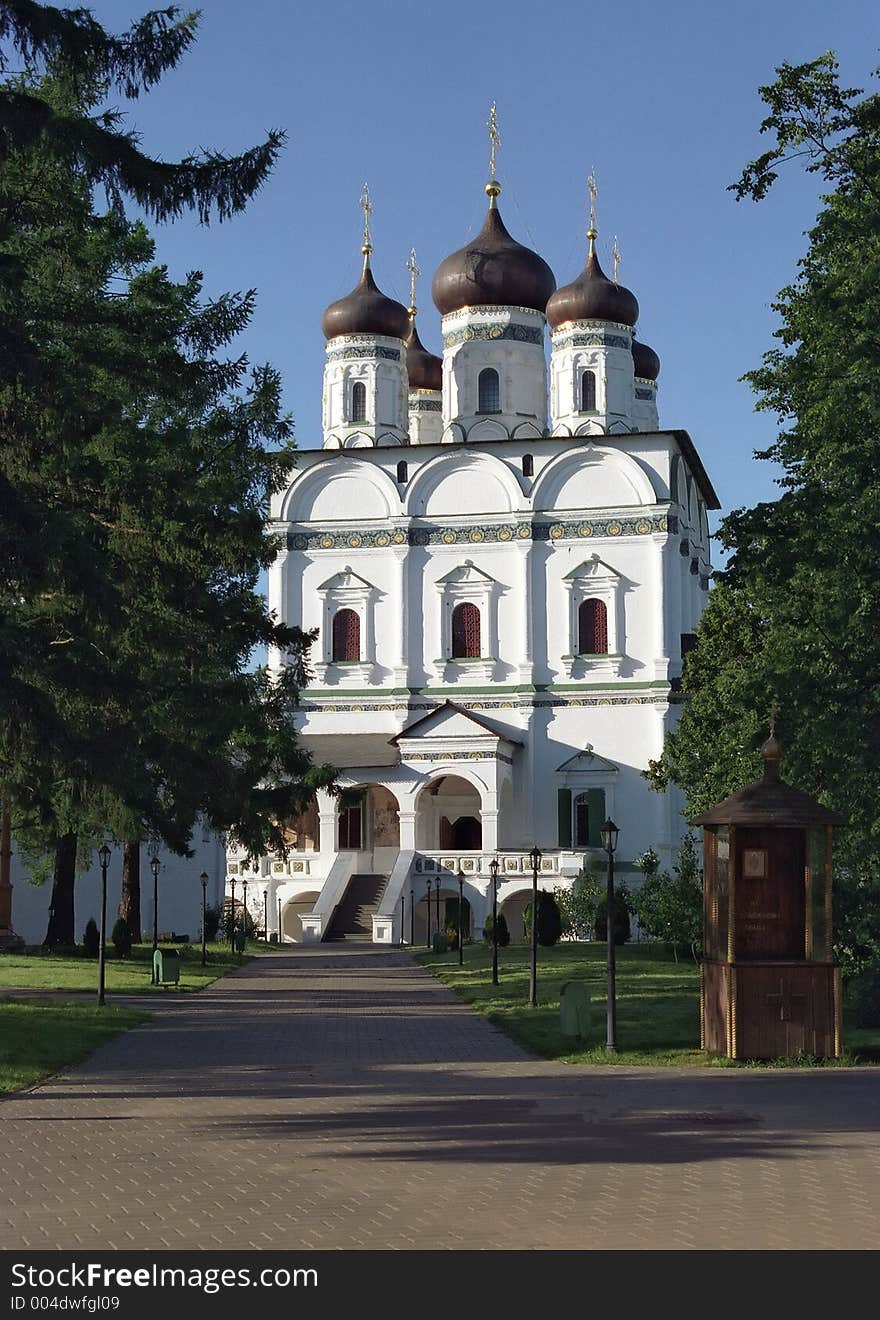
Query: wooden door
[[769, 903]]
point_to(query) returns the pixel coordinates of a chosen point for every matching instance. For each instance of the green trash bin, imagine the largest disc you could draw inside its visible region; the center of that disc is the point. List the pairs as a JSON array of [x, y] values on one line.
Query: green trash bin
[[166, 967]]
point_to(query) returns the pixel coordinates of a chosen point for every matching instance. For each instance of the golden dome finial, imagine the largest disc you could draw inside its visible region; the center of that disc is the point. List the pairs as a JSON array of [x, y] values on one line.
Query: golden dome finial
[[414, 272], [367, 208], [615, 257], [493, 187], [592, 232]]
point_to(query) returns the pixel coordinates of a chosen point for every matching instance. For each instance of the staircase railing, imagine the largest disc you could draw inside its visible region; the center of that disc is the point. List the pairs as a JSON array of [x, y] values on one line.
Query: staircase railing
[[317, 922], [386, 918]]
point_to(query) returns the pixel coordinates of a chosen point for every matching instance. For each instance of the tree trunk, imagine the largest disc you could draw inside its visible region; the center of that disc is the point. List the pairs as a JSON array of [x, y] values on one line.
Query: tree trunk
[[61, 920], [130, 900]]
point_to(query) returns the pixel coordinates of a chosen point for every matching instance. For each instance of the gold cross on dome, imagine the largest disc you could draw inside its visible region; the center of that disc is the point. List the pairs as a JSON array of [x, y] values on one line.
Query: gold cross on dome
[[774, 711], [414, 272], [494, 139], [367, 208], [592, 232], [615, 257]]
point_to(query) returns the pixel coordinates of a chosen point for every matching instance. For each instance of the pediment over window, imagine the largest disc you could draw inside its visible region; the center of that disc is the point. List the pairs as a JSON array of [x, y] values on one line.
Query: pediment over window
[[591, 569], [347, 580], [467, 574], [587, 762]]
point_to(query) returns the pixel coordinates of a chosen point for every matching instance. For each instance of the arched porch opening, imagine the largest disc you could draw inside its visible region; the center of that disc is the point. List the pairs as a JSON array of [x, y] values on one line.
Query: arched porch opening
[[443, 903], [513, 910], [369, 822], [449, 815], [292, 913]]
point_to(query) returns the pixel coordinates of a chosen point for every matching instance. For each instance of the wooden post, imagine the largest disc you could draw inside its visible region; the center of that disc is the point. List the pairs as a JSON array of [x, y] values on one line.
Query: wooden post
[[731, 892], [829, 933], [808, 897]]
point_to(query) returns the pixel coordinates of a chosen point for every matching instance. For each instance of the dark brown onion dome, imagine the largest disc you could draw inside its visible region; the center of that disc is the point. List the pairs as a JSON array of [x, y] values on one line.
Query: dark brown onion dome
[[592, 297], [366, 311], [424, 369], [493, 270], [645, 361]]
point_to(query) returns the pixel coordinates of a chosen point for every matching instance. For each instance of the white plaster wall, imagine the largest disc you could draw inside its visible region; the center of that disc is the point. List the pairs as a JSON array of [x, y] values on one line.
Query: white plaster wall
[[521, 367]]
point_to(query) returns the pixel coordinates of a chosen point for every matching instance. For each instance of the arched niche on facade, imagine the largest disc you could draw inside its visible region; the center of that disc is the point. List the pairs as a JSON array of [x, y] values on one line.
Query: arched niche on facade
[[463, 483], [592, 478], [340, 490], [292, 913]]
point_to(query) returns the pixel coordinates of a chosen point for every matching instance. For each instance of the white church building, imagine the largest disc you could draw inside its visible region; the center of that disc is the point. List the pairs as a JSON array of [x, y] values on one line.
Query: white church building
[[505, 565]]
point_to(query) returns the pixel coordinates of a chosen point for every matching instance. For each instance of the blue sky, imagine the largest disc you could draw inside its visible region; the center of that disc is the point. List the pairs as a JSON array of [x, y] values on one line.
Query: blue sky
[[660, 97]]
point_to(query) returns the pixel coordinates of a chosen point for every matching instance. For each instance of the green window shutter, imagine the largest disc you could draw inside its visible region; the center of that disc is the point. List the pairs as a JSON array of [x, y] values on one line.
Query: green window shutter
[[564, 807], [596, 808]]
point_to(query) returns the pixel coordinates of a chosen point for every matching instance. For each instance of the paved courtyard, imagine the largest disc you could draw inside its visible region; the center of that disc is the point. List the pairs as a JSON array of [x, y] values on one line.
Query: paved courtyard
[[340, 1097]]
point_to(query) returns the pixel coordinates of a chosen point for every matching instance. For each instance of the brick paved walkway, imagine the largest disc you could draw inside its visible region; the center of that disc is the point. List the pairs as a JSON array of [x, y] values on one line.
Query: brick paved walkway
[[341, 1097]]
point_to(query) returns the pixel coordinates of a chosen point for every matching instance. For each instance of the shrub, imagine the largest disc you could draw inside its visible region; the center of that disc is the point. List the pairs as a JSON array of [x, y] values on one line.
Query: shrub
[[549, 920], [503, 932], [670, 907], [452, 937], [91, 938], [863, 997], [212, 923], [121, 937], [578, 905], [620, 924], [438, 942]]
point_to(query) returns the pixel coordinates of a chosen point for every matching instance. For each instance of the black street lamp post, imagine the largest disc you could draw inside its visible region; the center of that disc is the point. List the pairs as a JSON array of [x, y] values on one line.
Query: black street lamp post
[[244, 908], [204, 881], [609, 834], [266, 915], [412, 918], [104, 856], [428, 886], [460, 878], [232, 917], [155, 865], [493, 871], [279, 921], [438, 902], [535, 859]]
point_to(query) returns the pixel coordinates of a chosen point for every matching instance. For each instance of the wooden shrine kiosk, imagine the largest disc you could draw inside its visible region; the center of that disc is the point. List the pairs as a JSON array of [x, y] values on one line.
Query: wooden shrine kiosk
[[769, 986]]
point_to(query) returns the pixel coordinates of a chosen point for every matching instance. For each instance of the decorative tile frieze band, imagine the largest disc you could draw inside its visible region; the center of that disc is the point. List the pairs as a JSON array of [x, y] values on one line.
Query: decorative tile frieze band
[[575, 530], [424, 405], [523, 334], [591, 339], [364, 351], [643, 393]]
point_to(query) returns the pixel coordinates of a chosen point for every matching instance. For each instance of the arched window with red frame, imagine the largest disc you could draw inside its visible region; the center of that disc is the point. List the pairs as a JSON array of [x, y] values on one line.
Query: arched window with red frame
[[466, 632], [346, 635], [592, 628]]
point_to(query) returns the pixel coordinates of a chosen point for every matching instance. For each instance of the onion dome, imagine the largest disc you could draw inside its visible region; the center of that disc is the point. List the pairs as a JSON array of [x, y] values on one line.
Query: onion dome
[[366, 311], [593, 297], [645, 361], [424, 369], [493, 270]]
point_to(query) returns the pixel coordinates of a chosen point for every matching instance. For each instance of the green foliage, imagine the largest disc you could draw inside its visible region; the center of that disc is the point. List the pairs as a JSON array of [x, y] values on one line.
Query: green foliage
[[579, 904], [439, 942], [549, 920], [213, 917], [91, 938], [622, 909], [794, 616], [151, 450], [503, 931], [863, 997], [670, 907], [121, 937]]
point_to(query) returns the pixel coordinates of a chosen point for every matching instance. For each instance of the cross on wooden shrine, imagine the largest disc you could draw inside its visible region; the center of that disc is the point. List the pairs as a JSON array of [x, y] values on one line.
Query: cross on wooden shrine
[[787, 1002]]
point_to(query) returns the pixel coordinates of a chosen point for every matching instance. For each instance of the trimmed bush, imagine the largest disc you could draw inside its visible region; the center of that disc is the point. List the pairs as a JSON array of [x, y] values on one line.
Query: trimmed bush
[[439, 942], [503, 932], [549, 920], [863, 997], [121, 937], [621, 924], [91, 938], [212, 923]]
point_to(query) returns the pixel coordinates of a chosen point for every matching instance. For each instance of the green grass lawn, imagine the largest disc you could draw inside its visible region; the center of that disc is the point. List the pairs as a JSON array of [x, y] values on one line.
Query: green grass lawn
[[131, 975], [658, 1002], [38, 1038]]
